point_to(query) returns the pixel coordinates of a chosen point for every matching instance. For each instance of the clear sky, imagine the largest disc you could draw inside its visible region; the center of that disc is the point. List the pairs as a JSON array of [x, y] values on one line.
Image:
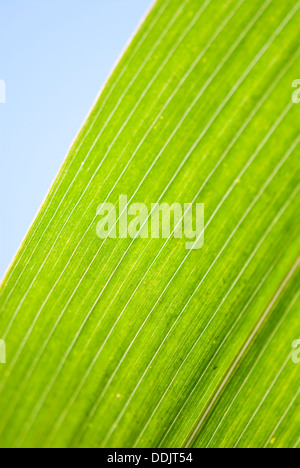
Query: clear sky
[[54, 57]]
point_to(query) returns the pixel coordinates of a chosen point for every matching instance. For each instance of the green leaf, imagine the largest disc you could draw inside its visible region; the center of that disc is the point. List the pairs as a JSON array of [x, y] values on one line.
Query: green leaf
[[141, 342]]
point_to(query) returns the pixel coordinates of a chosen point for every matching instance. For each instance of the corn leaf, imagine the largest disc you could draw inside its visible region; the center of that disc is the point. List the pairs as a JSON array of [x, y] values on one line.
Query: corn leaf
[[140, 342]]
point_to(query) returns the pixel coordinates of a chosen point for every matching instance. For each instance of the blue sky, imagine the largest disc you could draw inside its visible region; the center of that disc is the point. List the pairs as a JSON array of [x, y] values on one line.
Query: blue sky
[[54, 57]]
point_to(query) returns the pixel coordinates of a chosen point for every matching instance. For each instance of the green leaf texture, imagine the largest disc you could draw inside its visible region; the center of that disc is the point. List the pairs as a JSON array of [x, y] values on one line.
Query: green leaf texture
[[140, 342]]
